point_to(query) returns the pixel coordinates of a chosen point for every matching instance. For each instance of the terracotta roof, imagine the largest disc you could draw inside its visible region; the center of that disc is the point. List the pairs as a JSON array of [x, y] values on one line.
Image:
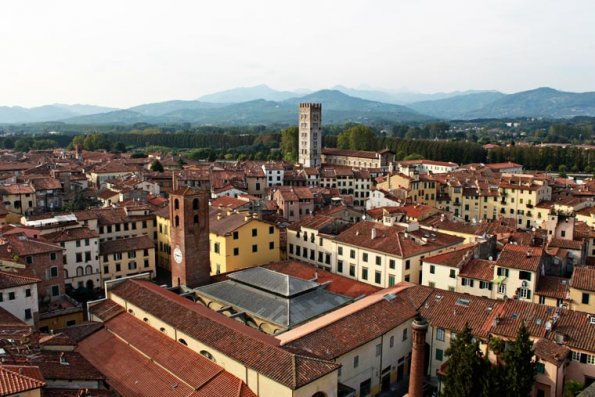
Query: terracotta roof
[[395, 240], [478, 269], [356, 329], [14, 279], [52, 366], [106, 194], [244, 344], [583, 278], [567, 244], [228, 202], [551, 352], [23, 246], [17, 188], [46, 184], [336, 283], [76, 233], [80, 331], [125, 244], [553, 287], [521, 257], [501, 166], [315, 222], [14, 381], [453, 257], [139, 361], [227, 223], [350, 153]]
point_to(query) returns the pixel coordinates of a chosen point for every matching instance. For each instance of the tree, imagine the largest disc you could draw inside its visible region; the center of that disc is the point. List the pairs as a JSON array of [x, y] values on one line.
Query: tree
[[520, 367], [465, 366], [572, 388], [562, 171], [156, 166], [358, 137], [290, 144], [413, 156]]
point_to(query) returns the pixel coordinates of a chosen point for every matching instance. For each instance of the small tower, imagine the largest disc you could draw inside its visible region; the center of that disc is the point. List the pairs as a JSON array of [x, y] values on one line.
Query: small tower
[[416, 376], [310, 134], [189, 237]]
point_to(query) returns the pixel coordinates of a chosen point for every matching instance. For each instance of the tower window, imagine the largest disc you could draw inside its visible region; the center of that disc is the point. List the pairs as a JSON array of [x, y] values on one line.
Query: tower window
[[176, 204], [195, 204], [195, 218], [177, 221]]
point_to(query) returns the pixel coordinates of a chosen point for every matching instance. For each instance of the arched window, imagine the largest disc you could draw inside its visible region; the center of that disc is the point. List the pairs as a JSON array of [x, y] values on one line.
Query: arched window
[[176, 204], [208, 355], [88, 269], [177, 221], [182, 341], [195, 218], [195, 204], [80, 271]]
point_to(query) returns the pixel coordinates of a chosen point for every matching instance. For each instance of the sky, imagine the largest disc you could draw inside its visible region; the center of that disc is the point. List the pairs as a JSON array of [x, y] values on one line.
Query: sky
[[125, 53]]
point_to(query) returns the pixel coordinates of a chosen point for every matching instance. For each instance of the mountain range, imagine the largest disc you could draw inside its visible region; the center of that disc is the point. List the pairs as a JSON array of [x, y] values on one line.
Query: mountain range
[[264, 105]]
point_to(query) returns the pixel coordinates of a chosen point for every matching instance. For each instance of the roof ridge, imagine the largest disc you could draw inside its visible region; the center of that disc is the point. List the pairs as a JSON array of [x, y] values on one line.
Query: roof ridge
[[18, 374]]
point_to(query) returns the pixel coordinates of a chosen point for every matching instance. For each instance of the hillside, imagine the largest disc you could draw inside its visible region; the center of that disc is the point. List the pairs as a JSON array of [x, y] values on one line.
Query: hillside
[[456, 107], [18, 114], [541, 102]]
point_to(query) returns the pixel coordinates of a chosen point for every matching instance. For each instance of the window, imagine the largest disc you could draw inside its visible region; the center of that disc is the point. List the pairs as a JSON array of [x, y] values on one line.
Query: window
[[391, 280], [132, 254], [78, 243], [352, 270], [352, 254], [118, 267], [131, 265], [542, 300], [55, 290], [502, 272], [405, 334], [378, 277], [452, 273], [29, 260], [28, 292], [502, 289], [254, 232], [485, 285], [364, 273], [291, 249], [585, 298], [254, 247], [117, 256], [407, 264], [524, 293], [340, 251], [378, 350], [11, 296], [440, 334], [236, 251], [439, 354], [365, 257], [87, 256], [28, 314], [1, 297], [79, 257], [146, 264], [236, 235], [216, 248], [540, 368], [391, 264], [467, 282], [355, 361], [391, 342], [339, 266], [53, 271], [271, 245], [525, 275], [105, 269], [432, 269]]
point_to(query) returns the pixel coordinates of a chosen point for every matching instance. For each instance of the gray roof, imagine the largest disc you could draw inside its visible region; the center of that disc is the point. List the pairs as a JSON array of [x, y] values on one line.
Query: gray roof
[[287, 312], [274, 282], [588, 392]]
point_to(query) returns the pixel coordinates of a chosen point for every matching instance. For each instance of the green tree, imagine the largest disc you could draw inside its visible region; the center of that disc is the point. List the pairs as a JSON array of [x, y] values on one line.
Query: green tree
[[290, 144], [23, 144], [572, 388], [358, 137], [562, 171], [520, 367], [414, 156], [156, 166], [465, 366]]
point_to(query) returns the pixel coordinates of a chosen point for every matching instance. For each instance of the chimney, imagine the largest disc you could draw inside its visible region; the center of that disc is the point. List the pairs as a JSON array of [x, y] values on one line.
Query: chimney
[[373, 233], [416, 376]]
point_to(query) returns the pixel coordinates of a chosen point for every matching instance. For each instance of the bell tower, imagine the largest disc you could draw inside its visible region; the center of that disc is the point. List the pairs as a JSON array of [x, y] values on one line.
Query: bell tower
[[310, 134], [189, 237]]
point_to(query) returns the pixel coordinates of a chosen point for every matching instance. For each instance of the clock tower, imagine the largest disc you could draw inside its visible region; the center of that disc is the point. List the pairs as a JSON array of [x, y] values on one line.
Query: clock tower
[[189, 237]]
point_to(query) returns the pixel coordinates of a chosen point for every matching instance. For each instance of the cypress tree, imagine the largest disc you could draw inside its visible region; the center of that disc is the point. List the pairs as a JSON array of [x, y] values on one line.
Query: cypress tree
[[464, 366], [520, 367]]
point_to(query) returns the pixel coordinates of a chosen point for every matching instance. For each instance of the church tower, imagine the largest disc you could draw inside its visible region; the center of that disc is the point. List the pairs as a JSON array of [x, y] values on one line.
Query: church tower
[[310, 134], [189, 237]]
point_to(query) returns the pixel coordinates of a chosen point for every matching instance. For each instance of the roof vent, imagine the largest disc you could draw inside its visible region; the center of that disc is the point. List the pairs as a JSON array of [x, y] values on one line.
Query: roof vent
[[390, 297]]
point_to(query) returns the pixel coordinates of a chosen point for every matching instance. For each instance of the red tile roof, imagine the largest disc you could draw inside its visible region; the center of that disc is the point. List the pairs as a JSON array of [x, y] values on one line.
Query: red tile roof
[[139, 360], [521, 257], [12, 381], [244, 344], [453, 257], [478, 269], [583, 278], [126, 244], [553, 287], [14, 279]]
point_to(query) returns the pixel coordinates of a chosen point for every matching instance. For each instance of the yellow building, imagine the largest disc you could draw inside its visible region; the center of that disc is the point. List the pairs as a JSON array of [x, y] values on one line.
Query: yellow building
[[239, 240], [127, 257], [163, 241], [421, 188], [582, 289]]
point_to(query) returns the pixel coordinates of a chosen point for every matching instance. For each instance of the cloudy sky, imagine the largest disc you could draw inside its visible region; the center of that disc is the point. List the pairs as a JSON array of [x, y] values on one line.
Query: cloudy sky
[[123, 53]]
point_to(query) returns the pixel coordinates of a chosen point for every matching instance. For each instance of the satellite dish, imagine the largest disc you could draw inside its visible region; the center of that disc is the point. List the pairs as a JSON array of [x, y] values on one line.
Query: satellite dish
[[548, 325]]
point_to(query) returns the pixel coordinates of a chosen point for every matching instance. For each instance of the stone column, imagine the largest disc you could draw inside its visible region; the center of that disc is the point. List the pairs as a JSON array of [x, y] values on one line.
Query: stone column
[[416, 375]]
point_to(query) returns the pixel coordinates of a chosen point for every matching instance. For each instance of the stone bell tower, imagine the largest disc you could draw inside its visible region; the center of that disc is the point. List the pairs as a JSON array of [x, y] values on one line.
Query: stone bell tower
[[310, 134], [189, 237]]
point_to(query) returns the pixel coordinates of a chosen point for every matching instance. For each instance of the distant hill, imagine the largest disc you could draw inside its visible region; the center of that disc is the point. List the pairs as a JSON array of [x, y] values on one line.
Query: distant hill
[[456, 107], [337, 108], [18, 114], [541, 102], [245, 94]]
